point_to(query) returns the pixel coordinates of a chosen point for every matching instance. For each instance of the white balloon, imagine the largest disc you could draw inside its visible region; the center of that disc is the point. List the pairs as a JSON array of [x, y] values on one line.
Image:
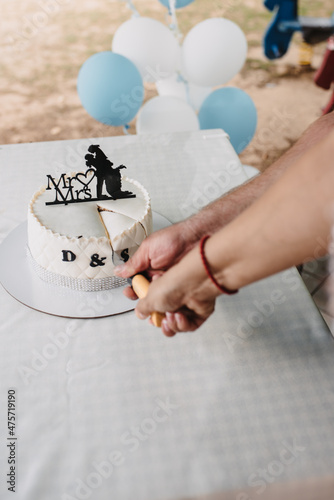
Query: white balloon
[[189, 92], [166, 114], [213, 52], [150, 45]]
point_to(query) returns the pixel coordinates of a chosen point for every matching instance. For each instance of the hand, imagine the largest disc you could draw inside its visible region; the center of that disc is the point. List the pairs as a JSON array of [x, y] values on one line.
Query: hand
[[184, 293], [157, 253]]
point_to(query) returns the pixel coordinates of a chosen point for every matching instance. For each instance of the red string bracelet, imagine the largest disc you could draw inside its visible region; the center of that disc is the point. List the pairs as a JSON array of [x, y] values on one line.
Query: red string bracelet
[[223, 289]]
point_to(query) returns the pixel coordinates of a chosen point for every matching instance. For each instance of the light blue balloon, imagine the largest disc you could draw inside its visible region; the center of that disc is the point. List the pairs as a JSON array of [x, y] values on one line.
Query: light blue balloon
[[178, 4], [110, 88], [232, 110]]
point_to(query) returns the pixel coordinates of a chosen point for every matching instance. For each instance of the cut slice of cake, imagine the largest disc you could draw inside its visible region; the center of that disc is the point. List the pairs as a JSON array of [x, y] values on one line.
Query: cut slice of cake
[[125, 234]]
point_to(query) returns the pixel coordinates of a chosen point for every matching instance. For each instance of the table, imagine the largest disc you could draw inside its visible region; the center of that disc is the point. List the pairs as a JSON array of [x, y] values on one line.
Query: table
[[110, 408]]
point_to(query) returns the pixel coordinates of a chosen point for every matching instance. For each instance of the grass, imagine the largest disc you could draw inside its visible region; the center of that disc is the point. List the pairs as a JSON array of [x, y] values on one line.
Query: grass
[[258, 64]]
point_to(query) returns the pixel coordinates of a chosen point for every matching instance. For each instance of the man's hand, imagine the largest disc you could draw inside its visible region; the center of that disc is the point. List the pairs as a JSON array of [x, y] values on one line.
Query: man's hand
[[157, 253]]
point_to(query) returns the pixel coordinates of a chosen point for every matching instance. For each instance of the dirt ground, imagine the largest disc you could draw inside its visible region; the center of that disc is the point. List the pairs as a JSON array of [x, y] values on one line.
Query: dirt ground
[[45, 42]]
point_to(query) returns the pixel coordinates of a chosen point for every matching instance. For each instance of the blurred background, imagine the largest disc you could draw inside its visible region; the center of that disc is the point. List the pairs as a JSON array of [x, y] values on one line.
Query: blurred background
[[44, 43]]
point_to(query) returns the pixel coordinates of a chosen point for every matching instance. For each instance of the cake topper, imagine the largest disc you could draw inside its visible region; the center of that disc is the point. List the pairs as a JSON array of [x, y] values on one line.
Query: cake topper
[[78, 188]]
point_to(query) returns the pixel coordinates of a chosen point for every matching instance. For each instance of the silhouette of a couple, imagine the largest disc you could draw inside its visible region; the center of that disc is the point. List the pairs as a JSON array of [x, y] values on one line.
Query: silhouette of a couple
[[106, 174]]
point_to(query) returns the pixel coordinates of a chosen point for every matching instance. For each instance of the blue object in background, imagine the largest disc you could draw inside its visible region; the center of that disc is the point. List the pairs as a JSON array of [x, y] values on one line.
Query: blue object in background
[[232, 110], [286, 21], [178, 4], [110, 88], [277, 38]]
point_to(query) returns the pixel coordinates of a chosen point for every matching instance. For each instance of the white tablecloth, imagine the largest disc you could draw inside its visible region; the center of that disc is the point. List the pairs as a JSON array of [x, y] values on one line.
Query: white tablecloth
[[110, 408]]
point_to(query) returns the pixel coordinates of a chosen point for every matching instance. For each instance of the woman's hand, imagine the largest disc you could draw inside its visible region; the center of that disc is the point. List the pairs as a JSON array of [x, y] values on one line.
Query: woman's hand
[[184, 293]]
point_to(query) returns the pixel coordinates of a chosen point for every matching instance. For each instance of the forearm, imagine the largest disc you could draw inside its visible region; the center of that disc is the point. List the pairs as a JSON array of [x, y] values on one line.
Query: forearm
[[163, 249], [282, 228], [222, 211]]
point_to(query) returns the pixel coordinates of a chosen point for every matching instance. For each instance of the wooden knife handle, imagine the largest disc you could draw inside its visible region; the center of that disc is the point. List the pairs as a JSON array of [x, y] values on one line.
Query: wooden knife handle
[[140, 286]]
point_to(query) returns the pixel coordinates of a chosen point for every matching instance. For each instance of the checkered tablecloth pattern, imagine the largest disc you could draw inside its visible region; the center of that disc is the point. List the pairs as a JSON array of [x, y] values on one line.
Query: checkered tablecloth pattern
[[110, 408]]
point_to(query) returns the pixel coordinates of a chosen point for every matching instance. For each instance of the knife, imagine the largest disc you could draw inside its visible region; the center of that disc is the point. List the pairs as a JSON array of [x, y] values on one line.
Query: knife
[[138, 282]]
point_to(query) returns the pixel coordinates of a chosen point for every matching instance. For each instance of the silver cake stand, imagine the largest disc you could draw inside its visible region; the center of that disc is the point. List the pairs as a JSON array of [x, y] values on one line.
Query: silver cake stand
[[21, 281]]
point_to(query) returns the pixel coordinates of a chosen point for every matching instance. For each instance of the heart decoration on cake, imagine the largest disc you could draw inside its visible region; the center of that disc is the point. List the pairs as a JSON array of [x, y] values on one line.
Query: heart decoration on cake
[[81, 175]]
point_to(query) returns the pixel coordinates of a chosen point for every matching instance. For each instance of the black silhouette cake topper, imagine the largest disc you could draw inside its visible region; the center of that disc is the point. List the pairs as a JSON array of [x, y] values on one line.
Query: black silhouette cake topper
[[78, 188]]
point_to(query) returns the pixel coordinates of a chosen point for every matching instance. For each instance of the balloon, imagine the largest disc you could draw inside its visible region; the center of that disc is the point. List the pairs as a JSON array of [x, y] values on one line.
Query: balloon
[[150, 45], [166, 114], [110, 88], [189, 92], [232, 110], [213, 52], [178, 3]]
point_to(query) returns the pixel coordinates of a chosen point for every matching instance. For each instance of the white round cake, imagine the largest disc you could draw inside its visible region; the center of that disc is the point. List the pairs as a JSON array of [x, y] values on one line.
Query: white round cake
[[77, 244]]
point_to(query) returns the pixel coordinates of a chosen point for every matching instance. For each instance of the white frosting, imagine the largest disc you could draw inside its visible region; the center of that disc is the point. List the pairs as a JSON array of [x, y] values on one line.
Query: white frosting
[[116, 224], [71, 239]]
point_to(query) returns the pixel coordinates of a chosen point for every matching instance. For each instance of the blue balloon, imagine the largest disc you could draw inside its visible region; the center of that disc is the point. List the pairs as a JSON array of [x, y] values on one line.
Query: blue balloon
[[110, 88], [178, 4], [232, 110]]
